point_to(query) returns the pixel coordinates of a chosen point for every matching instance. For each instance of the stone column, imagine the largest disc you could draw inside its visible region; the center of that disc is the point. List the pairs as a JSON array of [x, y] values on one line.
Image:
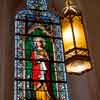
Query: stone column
[[6, 49]]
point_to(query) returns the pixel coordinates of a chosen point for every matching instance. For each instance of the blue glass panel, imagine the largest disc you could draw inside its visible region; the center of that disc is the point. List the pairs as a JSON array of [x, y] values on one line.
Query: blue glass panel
[[59, 54], [37, 4]]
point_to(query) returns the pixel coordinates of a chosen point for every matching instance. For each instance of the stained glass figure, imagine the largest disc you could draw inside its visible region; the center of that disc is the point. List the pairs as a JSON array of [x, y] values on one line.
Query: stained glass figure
[[39, 56]]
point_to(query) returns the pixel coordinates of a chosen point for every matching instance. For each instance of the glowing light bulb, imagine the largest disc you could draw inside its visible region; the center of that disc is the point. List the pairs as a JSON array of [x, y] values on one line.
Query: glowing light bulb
[[67, 34]]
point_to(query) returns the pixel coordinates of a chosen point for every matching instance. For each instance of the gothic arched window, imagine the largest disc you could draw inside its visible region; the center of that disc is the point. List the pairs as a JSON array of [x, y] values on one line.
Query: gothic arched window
[[39, 57]]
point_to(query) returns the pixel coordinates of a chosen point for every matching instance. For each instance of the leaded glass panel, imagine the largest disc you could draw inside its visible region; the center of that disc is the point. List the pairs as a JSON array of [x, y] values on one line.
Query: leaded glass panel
[[39, 57]]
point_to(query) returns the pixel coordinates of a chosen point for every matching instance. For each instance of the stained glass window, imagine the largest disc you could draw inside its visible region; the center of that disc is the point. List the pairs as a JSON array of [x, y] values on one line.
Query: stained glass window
[[39, 58]]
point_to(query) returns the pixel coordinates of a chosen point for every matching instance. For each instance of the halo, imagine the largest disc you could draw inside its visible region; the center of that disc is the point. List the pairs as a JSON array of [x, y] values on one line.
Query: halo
[[35, 39]]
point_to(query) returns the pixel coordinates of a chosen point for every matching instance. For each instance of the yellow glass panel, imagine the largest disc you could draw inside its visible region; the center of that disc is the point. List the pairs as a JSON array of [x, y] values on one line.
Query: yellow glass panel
[[42, 93], [79, 33], [67, 34]]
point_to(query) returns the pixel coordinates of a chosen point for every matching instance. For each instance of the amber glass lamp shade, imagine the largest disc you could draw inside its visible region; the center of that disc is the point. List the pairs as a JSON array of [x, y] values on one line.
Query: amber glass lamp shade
[[77, 58]]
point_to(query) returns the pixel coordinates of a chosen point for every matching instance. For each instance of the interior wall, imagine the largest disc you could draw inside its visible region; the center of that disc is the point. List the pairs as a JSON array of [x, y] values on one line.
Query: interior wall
[[92, 21], [89, 81], [84, 87], [92, 18]]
